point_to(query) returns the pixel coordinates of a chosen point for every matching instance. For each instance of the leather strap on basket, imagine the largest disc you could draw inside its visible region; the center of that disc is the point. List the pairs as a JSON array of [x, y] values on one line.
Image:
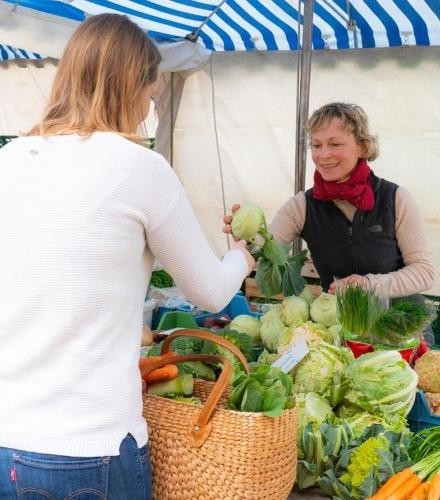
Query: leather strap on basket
[[201, 427]]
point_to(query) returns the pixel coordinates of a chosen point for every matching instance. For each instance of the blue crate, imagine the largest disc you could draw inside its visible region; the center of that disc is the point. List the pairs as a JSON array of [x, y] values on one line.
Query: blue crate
[[238, 305], [420, 416]]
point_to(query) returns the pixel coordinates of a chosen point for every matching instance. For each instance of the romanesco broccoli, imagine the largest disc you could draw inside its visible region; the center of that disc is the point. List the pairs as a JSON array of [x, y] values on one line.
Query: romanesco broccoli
[[363, 459]]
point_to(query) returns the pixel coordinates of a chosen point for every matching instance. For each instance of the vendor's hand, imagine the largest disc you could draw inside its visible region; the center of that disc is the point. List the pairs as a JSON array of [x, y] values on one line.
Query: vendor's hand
[[241, 245], [227, 219], [353, 279]]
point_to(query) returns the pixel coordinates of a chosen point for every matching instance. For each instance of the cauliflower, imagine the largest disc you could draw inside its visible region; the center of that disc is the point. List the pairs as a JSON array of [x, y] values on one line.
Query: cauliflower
[[428, 370], [311, 332]]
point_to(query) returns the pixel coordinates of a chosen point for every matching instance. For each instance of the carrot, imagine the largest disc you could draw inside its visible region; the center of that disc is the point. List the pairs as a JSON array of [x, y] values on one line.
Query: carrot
[[167, 372], [434, 489], [393, 483], [406, 489], [420, 493]]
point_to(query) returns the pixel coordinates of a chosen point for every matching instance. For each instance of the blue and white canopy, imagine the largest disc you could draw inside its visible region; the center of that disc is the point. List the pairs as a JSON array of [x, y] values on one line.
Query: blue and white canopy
[[7, 53], [267, 25]]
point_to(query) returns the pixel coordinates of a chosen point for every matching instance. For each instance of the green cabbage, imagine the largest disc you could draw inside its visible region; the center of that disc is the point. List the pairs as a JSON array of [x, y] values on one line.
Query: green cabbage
[[292, 309], [381, 382], [247, 324], [323, 371], [323, 309]]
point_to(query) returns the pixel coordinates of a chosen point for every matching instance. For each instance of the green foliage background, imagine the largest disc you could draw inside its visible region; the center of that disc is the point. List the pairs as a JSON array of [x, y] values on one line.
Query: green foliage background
[[4, 139]]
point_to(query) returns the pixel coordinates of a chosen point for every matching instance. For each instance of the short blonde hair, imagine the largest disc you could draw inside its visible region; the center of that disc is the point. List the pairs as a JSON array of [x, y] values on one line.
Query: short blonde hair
[[354, 120], [101, 78]]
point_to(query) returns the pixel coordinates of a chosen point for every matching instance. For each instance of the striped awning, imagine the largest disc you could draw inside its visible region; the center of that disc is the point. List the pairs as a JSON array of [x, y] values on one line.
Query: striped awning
[[246, 25], [8, 53]]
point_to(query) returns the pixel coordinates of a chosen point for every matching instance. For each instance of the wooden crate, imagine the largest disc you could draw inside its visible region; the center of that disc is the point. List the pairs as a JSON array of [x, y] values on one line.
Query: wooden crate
[[252, 290]]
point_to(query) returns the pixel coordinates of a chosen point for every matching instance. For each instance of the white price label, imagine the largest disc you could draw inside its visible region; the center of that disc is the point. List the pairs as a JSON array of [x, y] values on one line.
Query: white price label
[[293, 356]]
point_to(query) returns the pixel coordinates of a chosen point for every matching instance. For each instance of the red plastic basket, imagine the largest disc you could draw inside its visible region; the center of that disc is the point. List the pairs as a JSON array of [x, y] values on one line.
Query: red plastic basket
[[358, 348], [409, 355]]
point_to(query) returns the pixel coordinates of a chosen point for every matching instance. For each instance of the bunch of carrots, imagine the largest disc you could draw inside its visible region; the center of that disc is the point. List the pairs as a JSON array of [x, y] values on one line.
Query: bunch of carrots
[[419, 482], [163, 374]]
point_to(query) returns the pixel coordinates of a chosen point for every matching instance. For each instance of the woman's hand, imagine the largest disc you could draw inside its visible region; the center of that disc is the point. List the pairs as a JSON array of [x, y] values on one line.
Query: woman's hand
[[227, 220], [353, 279], [241, 245]]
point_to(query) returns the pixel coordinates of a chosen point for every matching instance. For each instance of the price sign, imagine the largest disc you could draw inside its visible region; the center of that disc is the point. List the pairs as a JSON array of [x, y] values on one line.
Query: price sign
[[293, 356]]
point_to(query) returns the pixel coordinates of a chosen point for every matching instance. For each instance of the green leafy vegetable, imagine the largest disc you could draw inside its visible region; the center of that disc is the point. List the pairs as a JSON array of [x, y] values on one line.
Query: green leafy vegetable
[[161, 279], [266, 389], [424, 442], [399, 323]]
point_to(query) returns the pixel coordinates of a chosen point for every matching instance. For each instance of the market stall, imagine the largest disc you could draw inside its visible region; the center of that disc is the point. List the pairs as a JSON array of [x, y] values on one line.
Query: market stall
[[333, 387], [365, 420]]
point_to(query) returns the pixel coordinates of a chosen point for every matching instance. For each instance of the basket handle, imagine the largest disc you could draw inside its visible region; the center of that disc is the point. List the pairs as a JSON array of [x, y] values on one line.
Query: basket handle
[[200, 334], [201, 427]]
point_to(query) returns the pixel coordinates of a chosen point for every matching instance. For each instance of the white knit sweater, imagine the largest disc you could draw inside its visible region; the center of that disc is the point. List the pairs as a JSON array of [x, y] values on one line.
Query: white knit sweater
[[80, 221]]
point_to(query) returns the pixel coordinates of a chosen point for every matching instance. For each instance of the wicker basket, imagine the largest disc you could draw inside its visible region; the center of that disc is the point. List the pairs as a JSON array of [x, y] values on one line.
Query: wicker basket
[[236, 455]]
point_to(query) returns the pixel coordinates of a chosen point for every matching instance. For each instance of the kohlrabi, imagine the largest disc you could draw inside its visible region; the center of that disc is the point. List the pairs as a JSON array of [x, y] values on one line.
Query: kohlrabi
[[324, 309], [277, 271]]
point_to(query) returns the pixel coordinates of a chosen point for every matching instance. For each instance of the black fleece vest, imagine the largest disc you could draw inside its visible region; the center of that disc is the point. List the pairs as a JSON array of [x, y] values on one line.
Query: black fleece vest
[[368, 244]]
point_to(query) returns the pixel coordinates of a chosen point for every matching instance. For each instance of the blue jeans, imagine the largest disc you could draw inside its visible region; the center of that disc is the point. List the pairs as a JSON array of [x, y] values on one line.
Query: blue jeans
[[38, 476]]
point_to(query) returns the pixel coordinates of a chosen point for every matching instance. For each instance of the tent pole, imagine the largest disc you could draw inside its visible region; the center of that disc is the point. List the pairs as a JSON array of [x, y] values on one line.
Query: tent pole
[[303, 100]]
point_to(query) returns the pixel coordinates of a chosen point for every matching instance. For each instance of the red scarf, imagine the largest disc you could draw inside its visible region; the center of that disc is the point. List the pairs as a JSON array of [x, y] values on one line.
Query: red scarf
[[356, 189]]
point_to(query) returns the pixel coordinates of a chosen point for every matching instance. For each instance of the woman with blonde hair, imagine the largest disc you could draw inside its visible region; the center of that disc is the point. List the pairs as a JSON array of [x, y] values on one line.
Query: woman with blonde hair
[[359, 228], [84, 210]]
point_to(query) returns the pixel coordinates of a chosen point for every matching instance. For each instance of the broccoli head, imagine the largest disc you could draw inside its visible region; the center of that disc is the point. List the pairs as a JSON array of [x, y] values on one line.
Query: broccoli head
[[241, 340], [180, 345]]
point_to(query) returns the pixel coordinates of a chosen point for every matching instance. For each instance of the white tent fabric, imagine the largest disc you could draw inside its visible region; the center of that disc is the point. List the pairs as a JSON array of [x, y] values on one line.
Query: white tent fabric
[[24, 90]]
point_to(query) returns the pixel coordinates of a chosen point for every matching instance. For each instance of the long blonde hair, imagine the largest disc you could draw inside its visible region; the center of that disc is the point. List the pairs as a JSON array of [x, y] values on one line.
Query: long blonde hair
[[354, 120], [101, 78]]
